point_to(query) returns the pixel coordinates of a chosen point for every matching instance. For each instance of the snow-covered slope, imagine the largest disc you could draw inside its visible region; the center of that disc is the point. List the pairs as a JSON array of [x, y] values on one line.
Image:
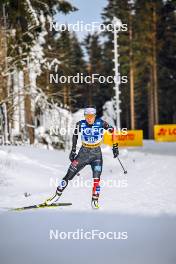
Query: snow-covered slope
[[141, 203], [148, 188]]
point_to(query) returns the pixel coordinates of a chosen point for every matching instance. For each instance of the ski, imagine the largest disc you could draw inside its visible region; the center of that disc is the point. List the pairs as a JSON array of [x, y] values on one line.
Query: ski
[[42, 205]]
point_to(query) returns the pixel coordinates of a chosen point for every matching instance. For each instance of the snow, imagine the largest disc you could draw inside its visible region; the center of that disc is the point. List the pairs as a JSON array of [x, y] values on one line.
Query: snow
[[142, 203], [109, 113], [33, 12]]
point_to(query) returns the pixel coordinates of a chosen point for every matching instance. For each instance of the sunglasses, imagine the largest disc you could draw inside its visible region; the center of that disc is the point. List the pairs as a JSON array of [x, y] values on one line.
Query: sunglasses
[[89, 116]]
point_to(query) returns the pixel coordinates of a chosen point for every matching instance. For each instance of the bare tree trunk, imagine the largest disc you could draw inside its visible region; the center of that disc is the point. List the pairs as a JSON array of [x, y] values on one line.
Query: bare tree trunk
[[66, 95], [3, 56], [89, 94], [132, 107], [153, 87], [28, 112], [3, 68], [150, 107], [90, 88], [3, 79], [155, 78]]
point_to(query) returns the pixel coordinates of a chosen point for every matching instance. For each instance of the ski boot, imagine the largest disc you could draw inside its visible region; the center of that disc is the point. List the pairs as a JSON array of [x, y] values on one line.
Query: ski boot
[[54, 198], [95, 193], [94, 202]]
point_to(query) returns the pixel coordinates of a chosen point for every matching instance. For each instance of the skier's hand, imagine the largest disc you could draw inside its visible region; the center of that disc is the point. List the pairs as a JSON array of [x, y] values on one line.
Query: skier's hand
[[72, 155], [115, 150]]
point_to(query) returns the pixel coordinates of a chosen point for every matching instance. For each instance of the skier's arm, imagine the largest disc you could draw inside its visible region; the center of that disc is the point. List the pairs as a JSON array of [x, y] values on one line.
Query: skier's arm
[[112, 130], [72, 155], [75, 136]]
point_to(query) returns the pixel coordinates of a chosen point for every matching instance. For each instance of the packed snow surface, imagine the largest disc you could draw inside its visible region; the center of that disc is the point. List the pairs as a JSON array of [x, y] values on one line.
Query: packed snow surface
[[141, 204]]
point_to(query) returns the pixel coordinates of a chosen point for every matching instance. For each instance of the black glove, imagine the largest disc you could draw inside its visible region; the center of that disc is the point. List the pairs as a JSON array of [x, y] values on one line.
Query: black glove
[[72, 155], [115, 150]]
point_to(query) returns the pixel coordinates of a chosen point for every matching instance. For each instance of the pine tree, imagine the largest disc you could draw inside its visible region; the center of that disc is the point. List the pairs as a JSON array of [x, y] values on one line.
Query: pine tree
[[68, 52], [144, 58], [97, 93], [24, 22], [167, 63], [148, 47], [78, 65]]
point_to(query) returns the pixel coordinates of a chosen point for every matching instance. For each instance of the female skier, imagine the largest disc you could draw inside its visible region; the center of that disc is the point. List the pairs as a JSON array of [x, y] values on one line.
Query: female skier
[[91, 130]]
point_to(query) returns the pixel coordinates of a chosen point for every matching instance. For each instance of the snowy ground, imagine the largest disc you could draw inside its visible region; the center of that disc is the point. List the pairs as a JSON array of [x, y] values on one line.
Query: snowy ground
[[142, 204]]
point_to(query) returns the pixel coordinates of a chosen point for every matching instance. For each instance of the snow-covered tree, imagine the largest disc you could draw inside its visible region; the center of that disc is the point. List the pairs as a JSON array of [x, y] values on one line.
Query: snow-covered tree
[[26, 28]]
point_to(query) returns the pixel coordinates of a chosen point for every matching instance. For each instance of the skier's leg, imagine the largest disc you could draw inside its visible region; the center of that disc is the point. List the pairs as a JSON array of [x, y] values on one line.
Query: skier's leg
[[97, 170], [79, 163]]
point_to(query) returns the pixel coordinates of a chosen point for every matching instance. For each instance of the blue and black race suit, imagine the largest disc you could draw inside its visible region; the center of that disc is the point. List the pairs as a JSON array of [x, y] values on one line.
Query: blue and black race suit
[[90, 152]]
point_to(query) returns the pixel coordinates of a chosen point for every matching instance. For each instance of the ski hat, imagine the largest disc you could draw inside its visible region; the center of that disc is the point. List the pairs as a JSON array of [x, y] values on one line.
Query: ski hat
[[90, 110]]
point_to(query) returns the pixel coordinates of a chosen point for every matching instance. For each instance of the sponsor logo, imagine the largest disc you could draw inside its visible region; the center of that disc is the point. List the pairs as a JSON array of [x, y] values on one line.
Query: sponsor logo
[[97, 168], [75, 163], [163, 132]]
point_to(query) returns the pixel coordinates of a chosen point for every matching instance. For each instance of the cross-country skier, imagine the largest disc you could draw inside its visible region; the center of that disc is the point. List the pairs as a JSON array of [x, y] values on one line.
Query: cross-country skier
[[91, 129]]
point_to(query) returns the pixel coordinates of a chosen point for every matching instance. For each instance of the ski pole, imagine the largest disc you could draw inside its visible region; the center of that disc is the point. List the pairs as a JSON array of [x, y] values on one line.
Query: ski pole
[[125, 171]]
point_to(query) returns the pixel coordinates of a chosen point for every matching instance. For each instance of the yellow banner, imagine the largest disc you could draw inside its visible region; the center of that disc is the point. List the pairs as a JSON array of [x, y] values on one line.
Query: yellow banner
[[134, 138], [165, 132]]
